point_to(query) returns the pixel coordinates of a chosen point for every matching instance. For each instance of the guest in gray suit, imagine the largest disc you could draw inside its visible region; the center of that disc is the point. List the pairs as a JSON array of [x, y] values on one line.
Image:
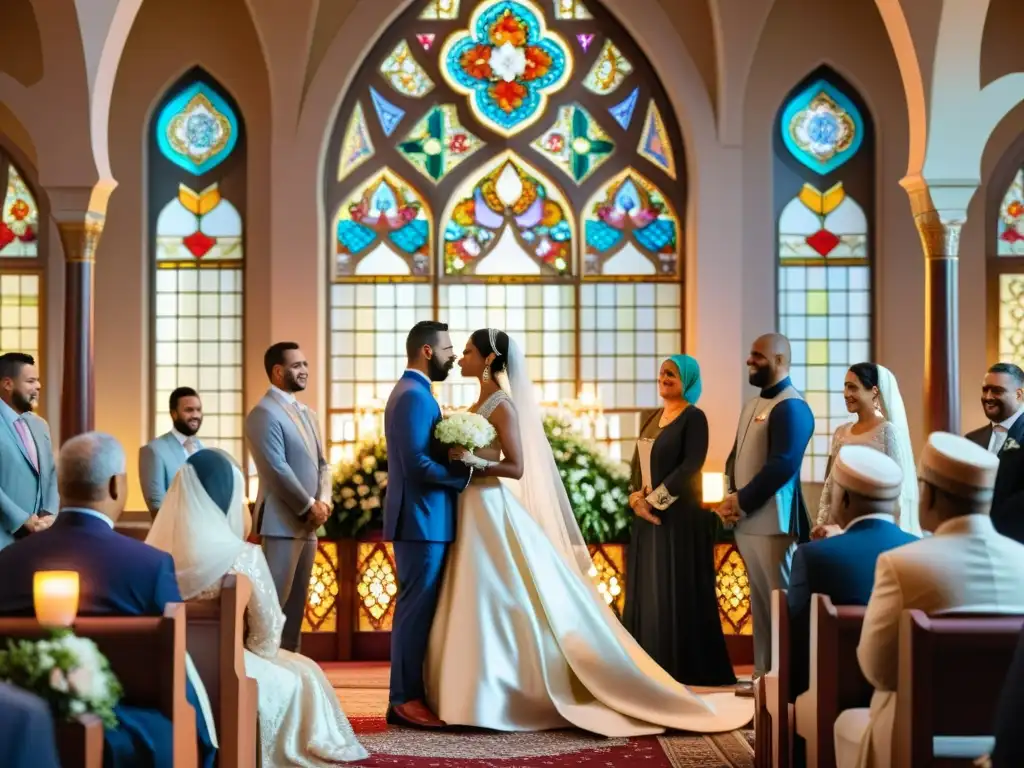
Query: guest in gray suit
[[28, 477], [161, 458], [295, 482]]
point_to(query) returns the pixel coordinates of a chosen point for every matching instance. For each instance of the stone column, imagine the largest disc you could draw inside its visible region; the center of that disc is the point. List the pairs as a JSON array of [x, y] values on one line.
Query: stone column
[[80, 239], [940, 213]]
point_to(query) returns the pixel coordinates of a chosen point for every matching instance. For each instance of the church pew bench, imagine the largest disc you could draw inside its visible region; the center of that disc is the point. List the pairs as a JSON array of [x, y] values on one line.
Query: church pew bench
[[777, 682], [215, 638], [762, 727], [835, 680], [951, 670], [80, 742], [147, 654]]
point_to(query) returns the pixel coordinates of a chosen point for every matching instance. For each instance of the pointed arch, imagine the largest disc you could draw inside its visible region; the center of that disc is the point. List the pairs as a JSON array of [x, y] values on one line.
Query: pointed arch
[[576, 104], [824, 182], [196, 211]]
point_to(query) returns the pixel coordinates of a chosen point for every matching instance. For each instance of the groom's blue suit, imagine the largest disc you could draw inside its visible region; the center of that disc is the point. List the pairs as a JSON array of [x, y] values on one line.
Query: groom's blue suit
[[419, 517]]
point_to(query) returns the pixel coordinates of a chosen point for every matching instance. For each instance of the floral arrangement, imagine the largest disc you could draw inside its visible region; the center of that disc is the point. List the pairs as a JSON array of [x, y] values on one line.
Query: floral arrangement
[[358, 492], [464, 429], [67, 671]]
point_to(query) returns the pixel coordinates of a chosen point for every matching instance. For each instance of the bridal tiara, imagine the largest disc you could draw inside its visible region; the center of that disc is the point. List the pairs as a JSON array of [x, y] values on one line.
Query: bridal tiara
[[492, 337]]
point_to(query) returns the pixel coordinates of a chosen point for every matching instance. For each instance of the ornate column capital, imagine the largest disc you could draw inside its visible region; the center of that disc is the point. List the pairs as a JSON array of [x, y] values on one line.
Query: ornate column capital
[[81, 238], [940, 211]]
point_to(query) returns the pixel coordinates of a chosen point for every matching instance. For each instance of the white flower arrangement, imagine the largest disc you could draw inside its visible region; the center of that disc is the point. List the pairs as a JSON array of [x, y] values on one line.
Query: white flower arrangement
[[467, 430], [67, 671]]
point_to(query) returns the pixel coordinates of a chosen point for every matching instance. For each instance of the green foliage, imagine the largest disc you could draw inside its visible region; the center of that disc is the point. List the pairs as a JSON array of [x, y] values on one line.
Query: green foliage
[[597, 489], [66, 671]]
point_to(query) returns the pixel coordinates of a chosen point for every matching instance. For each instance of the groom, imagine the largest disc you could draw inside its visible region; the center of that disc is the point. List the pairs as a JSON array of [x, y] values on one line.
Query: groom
[[419, 515]]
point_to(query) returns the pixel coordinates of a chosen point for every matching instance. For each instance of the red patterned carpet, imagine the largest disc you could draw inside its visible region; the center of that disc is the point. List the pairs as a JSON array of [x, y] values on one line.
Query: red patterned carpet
[[362, 690]]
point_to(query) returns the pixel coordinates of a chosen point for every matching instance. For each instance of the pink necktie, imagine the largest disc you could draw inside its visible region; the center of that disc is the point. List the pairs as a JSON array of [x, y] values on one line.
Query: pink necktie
[[26, 440]]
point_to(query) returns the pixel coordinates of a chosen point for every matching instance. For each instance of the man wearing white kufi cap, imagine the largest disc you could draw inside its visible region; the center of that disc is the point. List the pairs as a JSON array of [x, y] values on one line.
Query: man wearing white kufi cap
[[866, 486], [966, 565]]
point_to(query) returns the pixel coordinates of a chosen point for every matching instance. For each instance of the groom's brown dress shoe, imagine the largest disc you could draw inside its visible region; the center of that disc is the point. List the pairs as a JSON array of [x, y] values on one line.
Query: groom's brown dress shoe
[[413, 714]]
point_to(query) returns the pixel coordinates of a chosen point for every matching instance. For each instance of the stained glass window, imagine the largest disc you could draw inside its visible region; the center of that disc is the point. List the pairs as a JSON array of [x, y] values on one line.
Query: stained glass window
[[1009, 262], [197, 212], [21, 273], [824, 170], [563, 228]]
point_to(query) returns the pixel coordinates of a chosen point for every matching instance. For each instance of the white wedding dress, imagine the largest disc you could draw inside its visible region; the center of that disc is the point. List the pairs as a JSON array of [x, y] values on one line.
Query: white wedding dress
[[522, 641], [301, 721]]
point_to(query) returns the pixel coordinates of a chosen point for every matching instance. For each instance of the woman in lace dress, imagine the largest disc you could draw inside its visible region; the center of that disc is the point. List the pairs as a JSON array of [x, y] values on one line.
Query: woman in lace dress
[[871, 392], [201, 524], [521, 640]]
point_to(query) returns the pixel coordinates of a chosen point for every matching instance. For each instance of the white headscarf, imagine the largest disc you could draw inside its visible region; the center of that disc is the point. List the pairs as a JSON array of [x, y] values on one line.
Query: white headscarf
[[203, 541], [894, 412]]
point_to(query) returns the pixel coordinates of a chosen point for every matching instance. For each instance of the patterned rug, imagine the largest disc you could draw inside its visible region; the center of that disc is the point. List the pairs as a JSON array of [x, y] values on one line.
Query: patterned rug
[[362, 690]]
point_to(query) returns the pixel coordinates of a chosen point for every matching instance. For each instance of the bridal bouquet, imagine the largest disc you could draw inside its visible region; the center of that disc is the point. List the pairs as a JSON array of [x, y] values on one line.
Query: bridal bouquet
[[66, 671], [466, 430]]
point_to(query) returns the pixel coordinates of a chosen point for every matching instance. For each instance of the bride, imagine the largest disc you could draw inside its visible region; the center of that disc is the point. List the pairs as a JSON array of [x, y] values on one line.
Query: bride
[[202, 525], [522, 641]]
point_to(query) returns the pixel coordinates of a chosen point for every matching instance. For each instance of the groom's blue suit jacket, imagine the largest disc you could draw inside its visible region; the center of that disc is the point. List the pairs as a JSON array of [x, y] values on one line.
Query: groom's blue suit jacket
[[423, 487]]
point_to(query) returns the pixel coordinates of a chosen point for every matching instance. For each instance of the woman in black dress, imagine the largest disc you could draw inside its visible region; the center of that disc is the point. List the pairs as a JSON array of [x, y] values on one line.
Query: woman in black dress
[[671, 606]]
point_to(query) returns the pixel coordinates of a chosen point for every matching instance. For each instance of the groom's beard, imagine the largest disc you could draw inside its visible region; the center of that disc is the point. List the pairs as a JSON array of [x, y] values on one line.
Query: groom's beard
[[439, 371]]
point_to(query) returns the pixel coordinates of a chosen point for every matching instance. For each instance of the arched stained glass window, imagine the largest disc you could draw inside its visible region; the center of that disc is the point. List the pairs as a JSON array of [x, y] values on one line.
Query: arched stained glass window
[[515, 164], [197, 177], [1009, 265], [824, 207], [21, 268]]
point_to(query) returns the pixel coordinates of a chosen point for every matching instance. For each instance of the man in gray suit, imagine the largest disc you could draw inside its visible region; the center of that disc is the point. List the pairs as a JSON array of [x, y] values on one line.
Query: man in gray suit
[[295, 482], [161, 458], [28, 476]]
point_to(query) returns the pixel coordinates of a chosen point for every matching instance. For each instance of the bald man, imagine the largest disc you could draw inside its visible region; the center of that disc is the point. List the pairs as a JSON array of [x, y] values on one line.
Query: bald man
[[765, 501]]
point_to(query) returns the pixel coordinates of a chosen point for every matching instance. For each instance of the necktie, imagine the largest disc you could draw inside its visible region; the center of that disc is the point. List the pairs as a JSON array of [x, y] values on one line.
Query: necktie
[[307, 431], [999, 435], [190, 446], [28, 443]]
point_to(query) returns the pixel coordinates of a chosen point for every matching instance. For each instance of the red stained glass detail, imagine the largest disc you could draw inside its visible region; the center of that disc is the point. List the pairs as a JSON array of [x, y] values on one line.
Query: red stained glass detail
[[1009, 234], [199, 244], [6, 236], [426, 40], [823, 242]]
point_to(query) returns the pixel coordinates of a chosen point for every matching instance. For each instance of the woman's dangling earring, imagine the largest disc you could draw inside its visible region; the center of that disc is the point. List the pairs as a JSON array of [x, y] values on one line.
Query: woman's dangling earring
[[487, 373]]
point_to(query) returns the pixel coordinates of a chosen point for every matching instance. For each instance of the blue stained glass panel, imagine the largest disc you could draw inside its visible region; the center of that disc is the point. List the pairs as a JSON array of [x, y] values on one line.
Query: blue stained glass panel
[[197, 129]]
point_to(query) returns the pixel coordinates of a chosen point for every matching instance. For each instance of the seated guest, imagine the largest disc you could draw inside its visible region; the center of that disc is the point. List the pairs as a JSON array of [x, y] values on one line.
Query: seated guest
[[26, 730], [201, 524], [162, 457], [118, 576], [1009, 750], [866, 486], [966, 565]]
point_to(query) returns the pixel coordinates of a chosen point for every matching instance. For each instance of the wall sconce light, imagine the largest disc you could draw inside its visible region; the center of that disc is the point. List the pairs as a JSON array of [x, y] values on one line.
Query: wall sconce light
[[713, 487], [55, 595]]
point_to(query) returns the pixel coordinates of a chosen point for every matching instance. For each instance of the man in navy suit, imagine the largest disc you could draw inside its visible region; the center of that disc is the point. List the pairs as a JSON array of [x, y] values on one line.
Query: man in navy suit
[[118, 576], [419, 515], [865, 490], [26, 730]]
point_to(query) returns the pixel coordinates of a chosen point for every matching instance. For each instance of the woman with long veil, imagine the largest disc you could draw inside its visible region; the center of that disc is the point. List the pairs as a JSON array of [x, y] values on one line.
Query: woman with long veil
[[521, 640], [871, 392], [202, 525]]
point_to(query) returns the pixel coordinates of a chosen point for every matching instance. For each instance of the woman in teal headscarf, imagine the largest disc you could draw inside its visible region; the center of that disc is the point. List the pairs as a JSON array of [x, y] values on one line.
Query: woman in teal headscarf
[[671, 606]]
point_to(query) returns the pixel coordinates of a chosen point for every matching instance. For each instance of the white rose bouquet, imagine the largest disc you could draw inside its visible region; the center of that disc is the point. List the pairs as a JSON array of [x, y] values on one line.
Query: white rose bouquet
[[67, 671], [465, 430]]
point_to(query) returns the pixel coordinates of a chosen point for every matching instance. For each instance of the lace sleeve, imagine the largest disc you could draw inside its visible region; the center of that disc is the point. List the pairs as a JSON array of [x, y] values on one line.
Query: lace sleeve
[[825, 500], [266, 620], [891, 447]]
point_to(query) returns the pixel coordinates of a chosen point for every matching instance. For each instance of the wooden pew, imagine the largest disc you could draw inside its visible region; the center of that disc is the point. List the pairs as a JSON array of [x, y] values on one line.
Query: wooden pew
[[80, 742], [148, 656], [951, 670], [835, 681], [777, 682], [762, 727], [216, 634]]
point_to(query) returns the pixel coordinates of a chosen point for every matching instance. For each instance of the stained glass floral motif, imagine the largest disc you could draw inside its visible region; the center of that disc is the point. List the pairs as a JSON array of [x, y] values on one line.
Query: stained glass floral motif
[[630, 229], [377, 586], [571, 9], [405, 74], [509, 193], [356, 147], [608, 72], [426, 40], [321, 613], [198, 226], [822, 225], [386, 211], [575, 143], [441, 9], [585, 39], [623, 111], [1011, 318], [197, 130], [1010, 237], [439, 142], [19, 224], [655, 144], [508, 62], [388, 114], [822, 128]]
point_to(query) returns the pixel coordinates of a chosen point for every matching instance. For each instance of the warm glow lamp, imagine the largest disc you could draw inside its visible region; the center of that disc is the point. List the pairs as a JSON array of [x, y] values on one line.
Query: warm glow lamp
[[713, 487], [55, 594]]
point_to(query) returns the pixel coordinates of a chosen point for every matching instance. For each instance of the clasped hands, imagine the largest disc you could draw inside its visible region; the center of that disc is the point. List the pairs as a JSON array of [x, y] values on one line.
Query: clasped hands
[[642, 507], [729, 510], [319, 513], [37, 523], [467, 457]]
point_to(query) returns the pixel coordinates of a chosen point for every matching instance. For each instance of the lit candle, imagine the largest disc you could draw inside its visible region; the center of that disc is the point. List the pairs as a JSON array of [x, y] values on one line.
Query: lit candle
[[55, 594], [713, 487]]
